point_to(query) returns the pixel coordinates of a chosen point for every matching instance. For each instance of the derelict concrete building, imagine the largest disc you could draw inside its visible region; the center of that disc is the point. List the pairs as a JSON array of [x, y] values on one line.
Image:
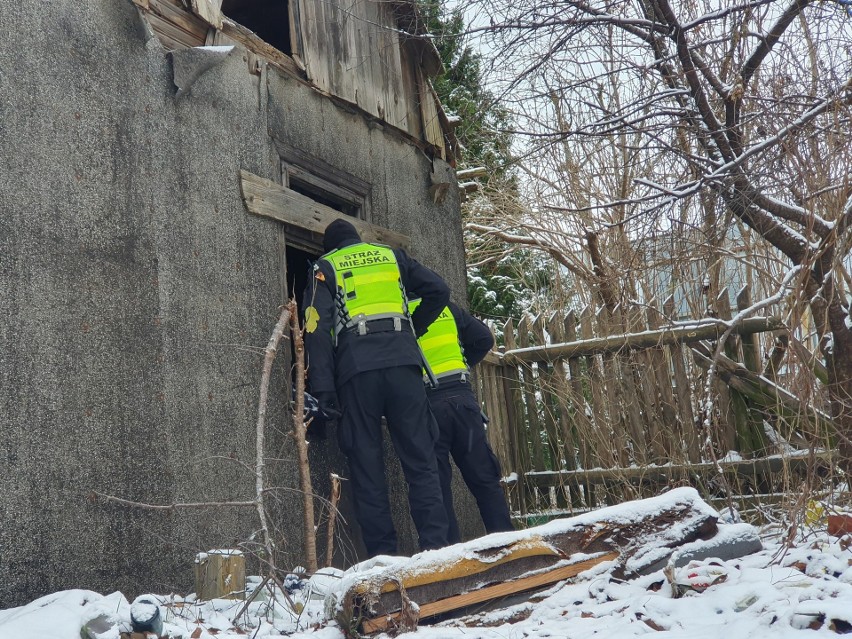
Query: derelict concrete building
[[165, 166]]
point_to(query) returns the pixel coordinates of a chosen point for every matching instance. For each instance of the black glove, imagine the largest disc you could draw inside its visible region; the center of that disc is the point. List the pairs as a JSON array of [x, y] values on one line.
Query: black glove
[[314, 418], [328, 405]]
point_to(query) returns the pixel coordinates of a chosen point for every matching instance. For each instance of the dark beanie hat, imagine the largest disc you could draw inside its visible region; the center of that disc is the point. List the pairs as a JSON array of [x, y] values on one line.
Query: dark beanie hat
[[339, 233]]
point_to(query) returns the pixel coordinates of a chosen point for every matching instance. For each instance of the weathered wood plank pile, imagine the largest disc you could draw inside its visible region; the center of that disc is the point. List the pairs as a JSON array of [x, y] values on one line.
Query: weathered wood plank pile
[[627, 540]]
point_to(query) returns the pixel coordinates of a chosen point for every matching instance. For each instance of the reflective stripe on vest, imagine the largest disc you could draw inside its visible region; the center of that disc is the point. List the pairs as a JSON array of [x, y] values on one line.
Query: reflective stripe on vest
[[440, 344], [368, 285]]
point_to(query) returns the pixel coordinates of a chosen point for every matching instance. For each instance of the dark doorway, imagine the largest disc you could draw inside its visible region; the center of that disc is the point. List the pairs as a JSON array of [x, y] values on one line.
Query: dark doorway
[[269, 19], [298, 264]]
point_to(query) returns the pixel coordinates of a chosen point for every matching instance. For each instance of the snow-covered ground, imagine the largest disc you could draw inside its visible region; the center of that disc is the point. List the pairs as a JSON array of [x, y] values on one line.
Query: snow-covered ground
[[778, 592]]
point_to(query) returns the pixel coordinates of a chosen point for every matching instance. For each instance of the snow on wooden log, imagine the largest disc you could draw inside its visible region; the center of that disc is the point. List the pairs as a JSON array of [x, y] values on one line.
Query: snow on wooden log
[[638, 535]]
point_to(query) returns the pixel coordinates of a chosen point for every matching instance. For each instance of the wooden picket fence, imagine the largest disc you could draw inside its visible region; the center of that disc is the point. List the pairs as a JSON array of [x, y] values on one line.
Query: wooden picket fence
[[591, 408]]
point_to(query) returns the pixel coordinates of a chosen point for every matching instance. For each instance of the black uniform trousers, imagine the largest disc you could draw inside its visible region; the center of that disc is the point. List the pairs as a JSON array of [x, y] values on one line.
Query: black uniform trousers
[[462, 434], [397, 393]]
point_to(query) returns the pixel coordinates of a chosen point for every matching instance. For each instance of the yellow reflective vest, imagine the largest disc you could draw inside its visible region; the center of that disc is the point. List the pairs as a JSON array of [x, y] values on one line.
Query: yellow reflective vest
[[368, 286], [440, 345]]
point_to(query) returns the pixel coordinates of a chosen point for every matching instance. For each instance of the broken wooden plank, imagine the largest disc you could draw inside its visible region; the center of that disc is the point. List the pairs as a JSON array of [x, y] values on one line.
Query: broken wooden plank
[[180, 17], [208, 10], [270, 199], [642, 535], [252, 42], [171, 34], [494, 592]]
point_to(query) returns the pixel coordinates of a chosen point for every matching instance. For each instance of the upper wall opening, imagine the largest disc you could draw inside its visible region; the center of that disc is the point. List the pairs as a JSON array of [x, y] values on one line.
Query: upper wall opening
[[358, 54], [269, 19]]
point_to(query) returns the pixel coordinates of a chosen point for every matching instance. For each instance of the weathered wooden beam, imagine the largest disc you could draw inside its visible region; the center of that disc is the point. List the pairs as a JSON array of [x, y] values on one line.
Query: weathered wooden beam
[[471, 174], [493, 592], [270, 199], [692, 332], [761, 390], [664, 474]]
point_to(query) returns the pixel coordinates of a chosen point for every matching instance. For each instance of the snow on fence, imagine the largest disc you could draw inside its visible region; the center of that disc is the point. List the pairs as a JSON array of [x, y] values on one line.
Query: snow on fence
[[588, 409]]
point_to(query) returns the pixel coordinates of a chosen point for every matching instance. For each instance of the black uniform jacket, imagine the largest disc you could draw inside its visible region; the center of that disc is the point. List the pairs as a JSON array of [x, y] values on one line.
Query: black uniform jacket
[[330, 367]]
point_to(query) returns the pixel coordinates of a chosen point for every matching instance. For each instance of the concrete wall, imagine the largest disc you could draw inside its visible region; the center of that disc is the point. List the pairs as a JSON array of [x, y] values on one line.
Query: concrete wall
[[135, 290]]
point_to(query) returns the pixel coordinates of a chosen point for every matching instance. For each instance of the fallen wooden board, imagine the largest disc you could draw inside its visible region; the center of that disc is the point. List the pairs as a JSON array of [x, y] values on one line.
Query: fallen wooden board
[[642, 533], [490, 593]]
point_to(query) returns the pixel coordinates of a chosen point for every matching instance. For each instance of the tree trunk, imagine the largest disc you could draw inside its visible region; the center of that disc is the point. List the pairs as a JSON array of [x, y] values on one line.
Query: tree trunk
[[838, 360]]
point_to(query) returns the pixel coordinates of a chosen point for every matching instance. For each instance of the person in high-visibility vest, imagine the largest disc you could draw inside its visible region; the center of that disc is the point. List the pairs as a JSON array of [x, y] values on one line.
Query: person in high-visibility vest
[[364, 363], [453, 343]]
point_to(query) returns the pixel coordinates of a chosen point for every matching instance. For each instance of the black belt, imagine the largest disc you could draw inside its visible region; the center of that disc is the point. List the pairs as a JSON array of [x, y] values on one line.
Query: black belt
[[384, 325], [456, 378]]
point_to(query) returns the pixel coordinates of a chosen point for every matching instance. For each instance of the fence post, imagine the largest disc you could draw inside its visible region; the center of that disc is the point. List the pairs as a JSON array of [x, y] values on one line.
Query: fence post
[[683, 390], [751, 348], [607, 428], [532, 423], [547, 385], [582, 422], [642, 370], [739, 435], [673, 427], [628, 395], [512, 400]]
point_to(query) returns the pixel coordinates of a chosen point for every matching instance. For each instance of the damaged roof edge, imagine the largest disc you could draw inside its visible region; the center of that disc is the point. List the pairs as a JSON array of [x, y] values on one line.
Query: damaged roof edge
[[180, 26]]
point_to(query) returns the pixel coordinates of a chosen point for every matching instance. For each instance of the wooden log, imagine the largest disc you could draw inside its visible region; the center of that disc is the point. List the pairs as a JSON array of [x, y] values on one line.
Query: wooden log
[[220, 574], [660, 523], [676, 334]]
